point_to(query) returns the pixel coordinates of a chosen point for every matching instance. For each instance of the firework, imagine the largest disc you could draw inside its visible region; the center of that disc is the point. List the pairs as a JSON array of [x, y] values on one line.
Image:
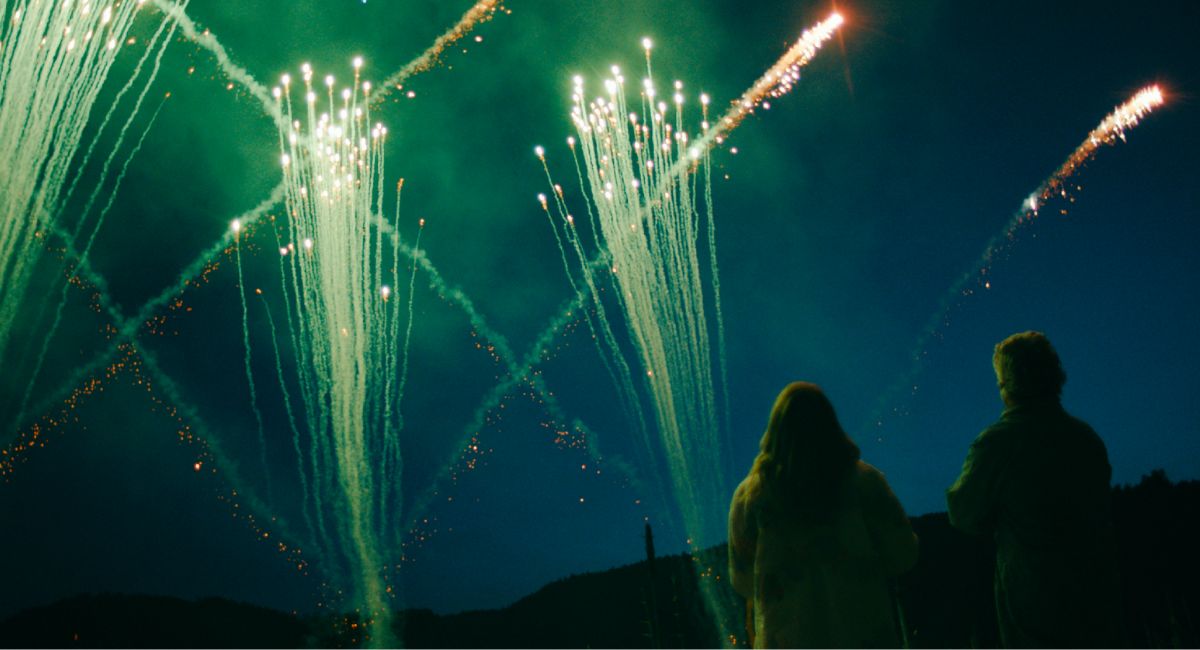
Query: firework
[[480, 12], [343, 329], [55, 61], [647, 216], [1110, 131], [776, 82]]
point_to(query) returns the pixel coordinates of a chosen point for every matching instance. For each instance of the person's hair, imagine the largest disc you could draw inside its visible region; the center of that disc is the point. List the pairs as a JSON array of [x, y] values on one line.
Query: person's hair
[[1028, 368], [804, 454]]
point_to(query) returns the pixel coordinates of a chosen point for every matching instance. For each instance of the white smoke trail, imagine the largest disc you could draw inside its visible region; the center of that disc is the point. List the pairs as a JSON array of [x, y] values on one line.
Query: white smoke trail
[[55, 61], [258, 419]]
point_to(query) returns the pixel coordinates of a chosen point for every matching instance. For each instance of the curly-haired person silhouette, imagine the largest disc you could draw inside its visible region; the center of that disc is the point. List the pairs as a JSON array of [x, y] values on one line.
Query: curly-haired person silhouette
[[1037, 480]]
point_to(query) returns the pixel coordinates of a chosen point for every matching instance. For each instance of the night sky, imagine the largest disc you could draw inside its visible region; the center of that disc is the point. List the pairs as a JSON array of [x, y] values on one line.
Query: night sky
[[849, 210]]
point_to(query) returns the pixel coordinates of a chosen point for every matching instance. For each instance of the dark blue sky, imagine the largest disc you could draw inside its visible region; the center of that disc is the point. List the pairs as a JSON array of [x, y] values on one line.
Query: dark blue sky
[[852, 206]]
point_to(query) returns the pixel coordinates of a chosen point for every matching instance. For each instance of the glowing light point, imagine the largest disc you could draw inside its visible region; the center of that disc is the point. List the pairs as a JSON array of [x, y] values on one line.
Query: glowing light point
[[236, 225], [647, 44], [358, 61], [539, 151], [385, 291]]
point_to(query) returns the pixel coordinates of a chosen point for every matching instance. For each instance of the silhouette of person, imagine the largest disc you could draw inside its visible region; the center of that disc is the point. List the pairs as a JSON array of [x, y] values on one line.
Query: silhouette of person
[[815, 533], [1038, 481]]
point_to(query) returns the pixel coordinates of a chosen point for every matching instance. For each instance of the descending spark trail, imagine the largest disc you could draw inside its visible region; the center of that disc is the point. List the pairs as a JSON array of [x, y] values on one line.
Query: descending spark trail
[[644, 210], [657, 275], [1110, 131], [480, 12], [648, 227], [81, 258], [100, 184], [343, 331], [262, 442], [55, 61]]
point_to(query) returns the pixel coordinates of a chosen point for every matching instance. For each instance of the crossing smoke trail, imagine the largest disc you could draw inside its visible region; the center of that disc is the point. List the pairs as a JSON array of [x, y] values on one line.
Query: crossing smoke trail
[[1110, 131], [127, 329]]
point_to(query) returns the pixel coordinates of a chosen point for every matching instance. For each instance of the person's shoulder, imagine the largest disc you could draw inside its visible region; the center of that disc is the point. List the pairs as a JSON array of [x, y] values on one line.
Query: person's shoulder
[[868, 476], [997, 432], [1078, 423], [749, 489], [1085, 430], [865, 470]]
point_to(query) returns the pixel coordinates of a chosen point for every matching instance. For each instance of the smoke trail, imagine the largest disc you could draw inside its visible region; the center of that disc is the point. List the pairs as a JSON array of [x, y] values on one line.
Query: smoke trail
[[127, 329], [55, 62], [318, 532], [80, 260], [1110, 130], [189, 413], [208, 41], [605, 341], [412, 283], [481, 11], [262, 439], [112, 110], [62, 299], [718, 313]]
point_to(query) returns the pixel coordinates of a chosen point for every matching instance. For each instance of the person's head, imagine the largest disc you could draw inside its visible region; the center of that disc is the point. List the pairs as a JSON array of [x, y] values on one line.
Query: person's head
[[1027, 369], [804, 448]]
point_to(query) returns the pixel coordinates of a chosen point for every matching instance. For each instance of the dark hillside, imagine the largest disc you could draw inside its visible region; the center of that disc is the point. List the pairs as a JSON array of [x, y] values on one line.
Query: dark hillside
[[946, 600]]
